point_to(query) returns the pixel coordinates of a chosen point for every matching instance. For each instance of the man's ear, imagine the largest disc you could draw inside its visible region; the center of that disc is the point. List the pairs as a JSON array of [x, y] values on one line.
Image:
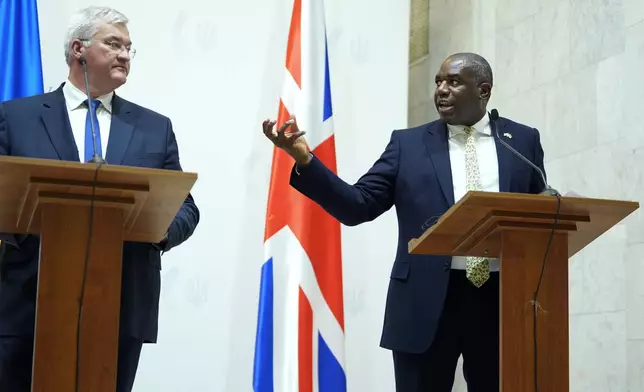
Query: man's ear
[[485, 90], [77, 49]]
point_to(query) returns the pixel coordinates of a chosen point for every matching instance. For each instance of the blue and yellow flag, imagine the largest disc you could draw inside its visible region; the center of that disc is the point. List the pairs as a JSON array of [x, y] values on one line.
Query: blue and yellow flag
[[20, 62]]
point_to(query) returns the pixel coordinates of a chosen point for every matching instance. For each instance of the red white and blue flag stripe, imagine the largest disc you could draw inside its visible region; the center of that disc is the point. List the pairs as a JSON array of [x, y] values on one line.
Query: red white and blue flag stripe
[[299, 344]]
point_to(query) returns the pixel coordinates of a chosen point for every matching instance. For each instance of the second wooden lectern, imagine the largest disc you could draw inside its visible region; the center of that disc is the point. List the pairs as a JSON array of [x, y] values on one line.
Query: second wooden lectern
[[517, 229], [66, 204]]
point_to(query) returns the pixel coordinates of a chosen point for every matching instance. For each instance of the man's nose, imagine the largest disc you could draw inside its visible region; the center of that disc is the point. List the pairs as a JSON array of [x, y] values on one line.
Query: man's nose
[[441, 88], [124, 55]]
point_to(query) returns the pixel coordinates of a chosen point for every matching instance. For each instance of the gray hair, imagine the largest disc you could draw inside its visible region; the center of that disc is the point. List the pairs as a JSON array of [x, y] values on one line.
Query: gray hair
[[85, 23]]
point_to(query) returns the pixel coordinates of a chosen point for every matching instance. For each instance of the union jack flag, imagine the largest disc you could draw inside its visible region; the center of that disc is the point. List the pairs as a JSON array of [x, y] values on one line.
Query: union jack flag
[[299, 345]]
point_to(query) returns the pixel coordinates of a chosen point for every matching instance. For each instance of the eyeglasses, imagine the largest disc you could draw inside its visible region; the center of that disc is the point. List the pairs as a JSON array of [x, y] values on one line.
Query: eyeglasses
[[116, 46]]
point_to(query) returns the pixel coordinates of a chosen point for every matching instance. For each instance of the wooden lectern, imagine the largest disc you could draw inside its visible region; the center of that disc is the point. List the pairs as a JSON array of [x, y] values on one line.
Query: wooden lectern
[[52, 199], [517, 228]]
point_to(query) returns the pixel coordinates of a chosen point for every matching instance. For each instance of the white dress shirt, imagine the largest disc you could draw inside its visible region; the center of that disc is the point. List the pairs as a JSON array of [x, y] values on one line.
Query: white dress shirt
[[488, 167], [77, 112]]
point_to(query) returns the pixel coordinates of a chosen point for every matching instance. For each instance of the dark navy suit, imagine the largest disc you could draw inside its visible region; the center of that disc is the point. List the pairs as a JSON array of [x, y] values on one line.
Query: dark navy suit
[[39, 127], [414, 175]]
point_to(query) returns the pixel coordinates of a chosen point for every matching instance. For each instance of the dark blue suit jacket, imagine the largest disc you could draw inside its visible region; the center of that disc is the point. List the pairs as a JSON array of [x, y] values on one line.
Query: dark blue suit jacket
[[414, 175], [39, 127]]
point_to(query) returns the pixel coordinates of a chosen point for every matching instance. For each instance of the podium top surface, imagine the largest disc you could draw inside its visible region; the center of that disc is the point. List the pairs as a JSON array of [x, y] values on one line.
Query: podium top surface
[[471, 226], [150, 197]]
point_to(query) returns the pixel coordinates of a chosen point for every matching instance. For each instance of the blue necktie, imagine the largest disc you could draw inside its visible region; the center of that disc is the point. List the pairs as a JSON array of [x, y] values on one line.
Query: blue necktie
[[89, 144]]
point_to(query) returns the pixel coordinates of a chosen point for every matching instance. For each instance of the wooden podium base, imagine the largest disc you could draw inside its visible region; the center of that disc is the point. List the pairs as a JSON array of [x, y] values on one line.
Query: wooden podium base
[[522, 256], [63, 254]]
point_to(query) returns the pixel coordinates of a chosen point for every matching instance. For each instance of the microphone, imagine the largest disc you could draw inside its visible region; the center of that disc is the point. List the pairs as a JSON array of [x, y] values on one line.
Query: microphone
[[95, 158], [547, 190]]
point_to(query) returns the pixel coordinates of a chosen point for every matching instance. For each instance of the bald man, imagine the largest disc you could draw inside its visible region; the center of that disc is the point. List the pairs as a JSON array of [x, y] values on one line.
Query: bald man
[[438, 308]]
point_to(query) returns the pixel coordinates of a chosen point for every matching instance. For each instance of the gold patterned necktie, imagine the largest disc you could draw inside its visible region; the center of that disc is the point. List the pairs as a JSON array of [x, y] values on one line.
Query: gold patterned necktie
[[477, 268]]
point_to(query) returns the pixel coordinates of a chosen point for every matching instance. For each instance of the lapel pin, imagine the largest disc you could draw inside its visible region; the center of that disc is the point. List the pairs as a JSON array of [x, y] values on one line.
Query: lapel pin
[[508, 135]]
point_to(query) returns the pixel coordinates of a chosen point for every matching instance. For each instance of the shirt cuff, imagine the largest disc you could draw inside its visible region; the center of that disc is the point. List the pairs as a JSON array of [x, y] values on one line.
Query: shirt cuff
[[297, 167]]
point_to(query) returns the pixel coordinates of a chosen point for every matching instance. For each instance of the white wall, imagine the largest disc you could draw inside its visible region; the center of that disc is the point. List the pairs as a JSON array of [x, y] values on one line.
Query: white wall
[[215, 68]]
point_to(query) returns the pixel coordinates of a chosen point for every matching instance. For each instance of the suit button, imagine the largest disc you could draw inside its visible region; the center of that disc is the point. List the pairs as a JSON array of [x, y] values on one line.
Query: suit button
[[447, 266]]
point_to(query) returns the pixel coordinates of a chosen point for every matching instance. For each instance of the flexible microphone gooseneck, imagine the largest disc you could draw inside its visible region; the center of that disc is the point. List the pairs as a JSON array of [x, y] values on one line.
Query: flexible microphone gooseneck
[[96, 158], [548, 190]]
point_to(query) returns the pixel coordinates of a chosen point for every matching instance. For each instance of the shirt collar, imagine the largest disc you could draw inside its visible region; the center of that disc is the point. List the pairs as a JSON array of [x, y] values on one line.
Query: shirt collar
[[74, 97], [481, 126]]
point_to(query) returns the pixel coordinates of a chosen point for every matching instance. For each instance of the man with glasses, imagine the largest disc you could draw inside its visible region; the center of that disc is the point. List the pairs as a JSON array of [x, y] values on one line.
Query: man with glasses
[[57, 125]]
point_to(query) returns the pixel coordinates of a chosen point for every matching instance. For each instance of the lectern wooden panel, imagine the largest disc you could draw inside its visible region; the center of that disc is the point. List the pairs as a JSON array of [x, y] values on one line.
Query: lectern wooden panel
[[518, 228], [68, 204]]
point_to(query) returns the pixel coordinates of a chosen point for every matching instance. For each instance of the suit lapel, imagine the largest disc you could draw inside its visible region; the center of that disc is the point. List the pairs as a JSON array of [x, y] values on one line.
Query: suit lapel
[[54, 116], [120, 131], [438, 149], [505, 157]]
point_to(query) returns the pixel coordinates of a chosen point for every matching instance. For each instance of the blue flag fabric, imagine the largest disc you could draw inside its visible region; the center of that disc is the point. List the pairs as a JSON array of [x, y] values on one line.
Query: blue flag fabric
[[20, 61]]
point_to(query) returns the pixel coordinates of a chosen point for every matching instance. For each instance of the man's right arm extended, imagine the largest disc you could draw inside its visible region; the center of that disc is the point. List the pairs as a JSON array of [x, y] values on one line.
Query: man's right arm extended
[[364, 201]]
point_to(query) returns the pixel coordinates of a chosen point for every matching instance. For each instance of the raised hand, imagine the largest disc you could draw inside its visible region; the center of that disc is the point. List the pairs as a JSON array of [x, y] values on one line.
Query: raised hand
[[289, 138]]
